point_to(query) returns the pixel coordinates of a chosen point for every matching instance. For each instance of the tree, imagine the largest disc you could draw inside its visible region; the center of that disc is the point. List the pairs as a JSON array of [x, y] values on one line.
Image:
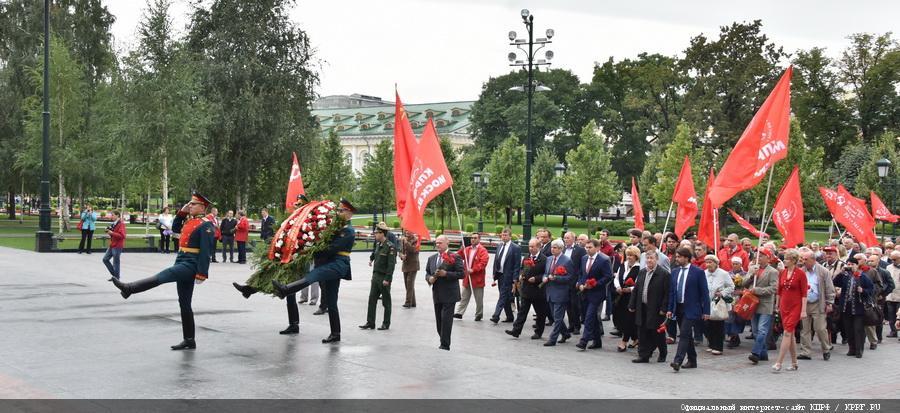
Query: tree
[[331, 175], [730, 78], [544, 183], [506, 186], [376, 185], [165, 102], [586, 184], [662, 183], [870, 67], [256, 67], [816, 102], [867, 180], [67, 99]]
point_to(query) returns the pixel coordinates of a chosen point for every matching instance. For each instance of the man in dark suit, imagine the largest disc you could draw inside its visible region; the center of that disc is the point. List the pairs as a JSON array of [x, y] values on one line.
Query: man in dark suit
[[596, 266], [532, 295], [577, 305], [506, 269], [688, 304], [266, 226], [650, 302], [543, 235], [443, 272], [559, 274]]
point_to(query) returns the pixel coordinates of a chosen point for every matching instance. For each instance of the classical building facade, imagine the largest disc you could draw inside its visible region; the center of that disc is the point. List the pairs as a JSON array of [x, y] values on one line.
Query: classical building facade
[[368, 120]]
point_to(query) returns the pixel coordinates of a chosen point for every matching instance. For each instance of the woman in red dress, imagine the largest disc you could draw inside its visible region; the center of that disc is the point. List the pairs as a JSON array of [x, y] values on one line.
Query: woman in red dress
[[791, 304]]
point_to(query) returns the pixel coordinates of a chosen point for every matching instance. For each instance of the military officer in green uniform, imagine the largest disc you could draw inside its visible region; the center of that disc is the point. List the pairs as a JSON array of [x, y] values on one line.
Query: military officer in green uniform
[[383, 259]]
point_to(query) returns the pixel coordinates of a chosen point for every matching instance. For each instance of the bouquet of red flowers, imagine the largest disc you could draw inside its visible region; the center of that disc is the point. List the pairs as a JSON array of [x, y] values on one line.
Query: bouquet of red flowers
[[662, 327], [448, 261], [629, 282], [590, 283], [560, 270]]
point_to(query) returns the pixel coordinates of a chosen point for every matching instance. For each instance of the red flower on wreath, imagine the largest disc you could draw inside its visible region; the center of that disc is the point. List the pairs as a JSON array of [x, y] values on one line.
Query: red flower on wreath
[[560, 270], [591, 283], [629, 282]]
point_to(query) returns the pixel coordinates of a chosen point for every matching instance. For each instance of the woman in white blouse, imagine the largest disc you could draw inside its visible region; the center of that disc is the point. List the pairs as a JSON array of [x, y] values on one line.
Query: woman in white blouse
[[622, 318], [720, 286]]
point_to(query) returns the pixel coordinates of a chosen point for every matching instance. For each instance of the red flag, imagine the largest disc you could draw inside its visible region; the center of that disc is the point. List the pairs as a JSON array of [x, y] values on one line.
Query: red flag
[[636, 203], [686, 198], [404, 151], [788, 211], [428, 177], [744, 223], [859, 203], [879, 210], [295, 185], [764, 142], [849, 214], [708, 232]]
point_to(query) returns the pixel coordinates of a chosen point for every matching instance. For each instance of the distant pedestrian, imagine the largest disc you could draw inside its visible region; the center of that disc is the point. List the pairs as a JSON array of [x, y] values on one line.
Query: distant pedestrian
[[88, 222], [241, 235], [164, 225], [213, 218], [116, 232], [228, 227], [266, 226]]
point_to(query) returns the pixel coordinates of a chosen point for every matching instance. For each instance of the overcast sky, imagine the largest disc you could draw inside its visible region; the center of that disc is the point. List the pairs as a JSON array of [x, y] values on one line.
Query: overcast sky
[[444, 50]]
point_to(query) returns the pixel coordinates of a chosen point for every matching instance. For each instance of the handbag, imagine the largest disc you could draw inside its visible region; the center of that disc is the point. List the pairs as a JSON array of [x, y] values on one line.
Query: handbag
[[718, 310], [746, 306], [80, 225], [873, 315]]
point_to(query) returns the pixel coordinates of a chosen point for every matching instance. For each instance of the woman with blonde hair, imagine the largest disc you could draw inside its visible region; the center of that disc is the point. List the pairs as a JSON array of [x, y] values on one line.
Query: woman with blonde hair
[[790, 300]]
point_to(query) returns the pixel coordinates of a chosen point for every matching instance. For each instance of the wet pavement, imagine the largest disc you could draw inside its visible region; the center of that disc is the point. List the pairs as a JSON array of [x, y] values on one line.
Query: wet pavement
[[66, 333]]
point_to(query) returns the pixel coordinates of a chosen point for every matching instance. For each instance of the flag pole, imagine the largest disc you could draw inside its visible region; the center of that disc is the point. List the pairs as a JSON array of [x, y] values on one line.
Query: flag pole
[[668, 214], [718, 231], [462, 238], [763, 222]]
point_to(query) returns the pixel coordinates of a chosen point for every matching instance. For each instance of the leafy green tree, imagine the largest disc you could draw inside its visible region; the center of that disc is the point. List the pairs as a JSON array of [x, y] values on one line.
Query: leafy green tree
[[870, 67], [588, 188], [506, 186], [376, 189], [668, 167], [868, 180], [331, 175], [545, 186], [817, 103]]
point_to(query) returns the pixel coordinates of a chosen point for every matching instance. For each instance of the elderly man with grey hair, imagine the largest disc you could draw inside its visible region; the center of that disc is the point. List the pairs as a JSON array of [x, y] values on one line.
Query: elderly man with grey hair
[[559, 273], [819, 302], [443, 272], [892, 303]]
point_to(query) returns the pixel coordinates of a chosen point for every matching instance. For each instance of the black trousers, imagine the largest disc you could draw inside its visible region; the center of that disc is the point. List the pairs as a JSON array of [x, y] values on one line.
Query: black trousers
[[87, 236], [443, 317], [890, 313], [164, 241], [649, 340], [685, 337], [855, 332], [227, 245], [715, 334], [540, 309], [576, 311], [330, 290], [293, 312], [242, 251]]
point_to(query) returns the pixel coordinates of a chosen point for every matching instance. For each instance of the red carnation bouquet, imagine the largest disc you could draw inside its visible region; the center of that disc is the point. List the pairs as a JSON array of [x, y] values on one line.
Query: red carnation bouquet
[[448, 259], [560, 270], [662, 327], [629, 282], [590, 283]]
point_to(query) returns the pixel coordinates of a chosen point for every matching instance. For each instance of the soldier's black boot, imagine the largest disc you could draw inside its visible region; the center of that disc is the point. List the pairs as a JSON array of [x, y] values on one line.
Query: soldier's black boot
[[293, 316], [334, 320], [283, 291], [245, 290], [135, 287], [187, 331]]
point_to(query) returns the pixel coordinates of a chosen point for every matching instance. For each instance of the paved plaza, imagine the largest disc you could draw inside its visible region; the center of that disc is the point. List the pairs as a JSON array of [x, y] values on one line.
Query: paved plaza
[[68, 334]]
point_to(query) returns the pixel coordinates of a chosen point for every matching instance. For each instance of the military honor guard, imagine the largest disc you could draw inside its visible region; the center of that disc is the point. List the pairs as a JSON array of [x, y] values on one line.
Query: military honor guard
[[384, 259], [191, 265], [331, 266]]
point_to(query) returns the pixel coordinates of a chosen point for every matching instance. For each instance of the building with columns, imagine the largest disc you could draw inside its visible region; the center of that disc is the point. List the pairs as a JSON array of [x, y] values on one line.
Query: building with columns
[[364, 121]]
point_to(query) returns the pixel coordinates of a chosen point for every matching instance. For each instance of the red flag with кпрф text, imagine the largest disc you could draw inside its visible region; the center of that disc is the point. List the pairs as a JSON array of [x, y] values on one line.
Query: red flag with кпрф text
[[295, 185], [686, 198], [744, 223], [847, 212], [428, 177], [636, 203], [404, 150], [764, 142], [879, 210], [788, 211]]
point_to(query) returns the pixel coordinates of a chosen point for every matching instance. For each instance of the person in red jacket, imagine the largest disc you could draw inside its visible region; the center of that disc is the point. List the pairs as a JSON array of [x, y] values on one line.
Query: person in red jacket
[[732, 248], [116, 233], [241, 235], [213, 218], [475, 260]]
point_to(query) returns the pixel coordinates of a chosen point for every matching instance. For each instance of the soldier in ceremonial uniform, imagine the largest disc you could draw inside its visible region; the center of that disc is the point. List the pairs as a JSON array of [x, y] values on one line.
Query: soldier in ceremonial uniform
[[331, 266], [293, 313], [384, 259], [191, 265]]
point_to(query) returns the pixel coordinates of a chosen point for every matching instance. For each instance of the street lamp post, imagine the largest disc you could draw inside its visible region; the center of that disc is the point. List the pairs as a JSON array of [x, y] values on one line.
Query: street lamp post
[[530, 64], [884, 168], [476, 176], [44, 241], [560, 170]]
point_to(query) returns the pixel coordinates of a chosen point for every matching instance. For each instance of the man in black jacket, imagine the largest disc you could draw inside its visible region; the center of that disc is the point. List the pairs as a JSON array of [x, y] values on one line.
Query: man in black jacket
[[443, 272], [530, 288], [266, 226], [649, 302], [228, 226]]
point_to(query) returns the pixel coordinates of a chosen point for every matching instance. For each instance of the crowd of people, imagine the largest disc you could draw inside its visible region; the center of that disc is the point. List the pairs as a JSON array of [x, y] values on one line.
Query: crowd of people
[[660, 291]]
